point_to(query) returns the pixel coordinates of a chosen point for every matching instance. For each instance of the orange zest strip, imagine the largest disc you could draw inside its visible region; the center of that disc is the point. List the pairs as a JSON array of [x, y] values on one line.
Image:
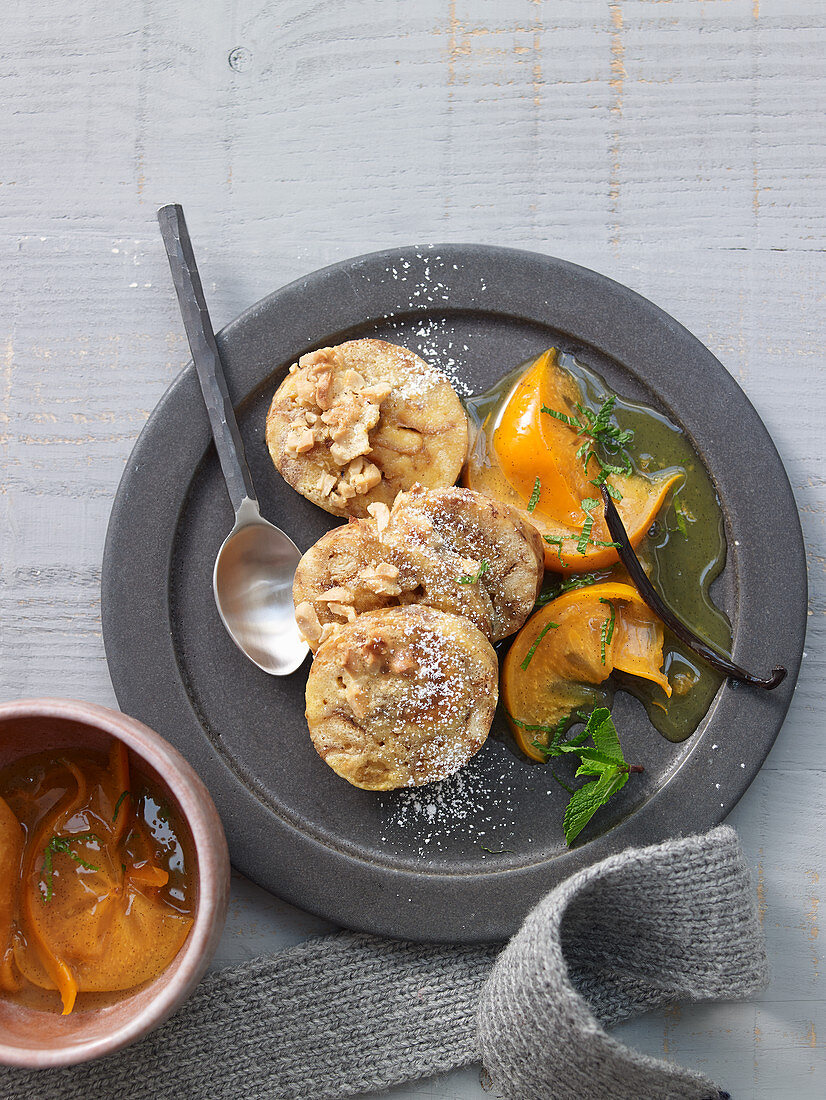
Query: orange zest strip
[[54, 966]]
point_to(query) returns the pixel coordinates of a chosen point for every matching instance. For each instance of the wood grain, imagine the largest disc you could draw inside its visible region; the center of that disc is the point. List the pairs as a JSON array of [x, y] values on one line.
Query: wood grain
[[675, 145]]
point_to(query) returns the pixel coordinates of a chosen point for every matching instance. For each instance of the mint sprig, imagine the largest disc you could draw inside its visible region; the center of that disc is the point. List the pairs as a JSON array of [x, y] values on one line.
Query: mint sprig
[[602, 759]]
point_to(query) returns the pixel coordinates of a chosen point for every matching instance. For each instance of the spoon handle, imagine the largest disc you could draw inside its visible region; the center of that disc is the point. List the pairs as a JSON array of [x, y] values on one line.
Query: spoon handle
[[205, 354]]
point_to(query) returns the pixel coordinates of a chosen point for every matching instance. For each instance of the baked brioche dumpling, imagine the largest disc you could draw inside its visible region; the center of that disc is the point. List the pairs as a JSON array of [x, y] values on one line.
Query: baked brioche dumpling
[[506, 551], [353, 569], [355, 424], [401, 697]]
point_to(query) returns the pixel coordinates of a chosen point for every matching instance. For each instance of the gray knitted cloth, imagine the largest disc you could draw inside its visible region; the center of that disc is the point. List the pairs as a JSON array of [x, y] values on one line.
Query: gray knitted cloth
[[349, 1013], [677, 921]]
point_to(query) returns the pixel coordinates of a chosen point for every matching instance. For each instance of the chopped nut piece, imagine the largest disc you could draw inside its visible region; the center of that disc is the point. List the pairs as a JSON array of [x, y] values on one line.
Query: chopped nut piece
[[377, 392], [381, 579], [363, 475], [312, 358], [300, 439], [356, 442], [308, 624], [401, 662], [356, 696], [387, 569], [324, 390], [381, 514], [305, 390], [373, 654], [344, 492], [325, 485], [340, 594]]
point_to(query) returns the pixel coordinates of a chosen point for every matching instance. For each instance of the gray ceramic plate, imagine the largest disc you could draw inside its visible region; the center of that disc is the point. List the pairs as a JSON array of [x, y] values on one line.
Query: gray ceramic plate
[[465, 859]]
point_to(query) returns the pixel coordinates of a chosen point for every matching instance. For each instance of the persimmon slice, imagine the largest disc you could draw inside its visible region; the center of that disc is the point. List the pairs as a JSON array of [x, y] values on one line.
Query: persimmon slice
[[575, 642], [529, 458]]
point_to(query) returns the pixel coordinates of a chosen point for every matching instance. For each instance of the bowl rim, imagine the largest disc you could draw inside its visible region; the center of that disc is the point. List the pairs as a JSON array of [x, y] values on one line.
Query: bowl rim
[[212, 860]]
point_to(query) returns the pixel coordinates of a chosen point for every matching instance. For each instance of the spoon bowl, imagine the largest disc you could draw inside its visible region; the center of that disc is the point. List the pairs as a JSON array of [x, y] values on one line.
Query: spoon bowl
[[253, 584]]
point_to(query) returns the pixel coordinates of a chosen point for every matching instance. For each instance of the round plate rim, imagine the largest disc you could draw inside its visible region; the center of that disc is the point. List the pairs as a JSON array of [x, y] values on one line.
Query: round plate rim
[[135, 616]]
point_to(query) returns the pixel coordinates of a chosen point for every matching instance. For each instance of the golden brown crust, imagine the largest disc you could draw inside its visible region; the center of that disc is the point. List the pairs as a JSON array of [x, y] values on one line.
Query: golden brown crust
[[353, 569], [456, 521], [401, 697], [356, 424]]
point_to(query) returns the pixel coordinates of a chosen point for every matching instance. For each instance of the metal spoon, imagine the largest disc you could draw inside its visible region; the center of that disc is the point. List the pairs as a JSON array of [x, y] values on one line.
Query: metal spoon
[[254, 570]]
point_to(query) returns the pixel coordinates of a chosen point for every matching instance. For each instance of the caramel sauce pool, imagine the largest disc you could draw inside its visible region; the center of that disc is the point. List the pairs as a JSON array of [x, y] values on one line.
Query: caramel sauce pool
[[684, 550]]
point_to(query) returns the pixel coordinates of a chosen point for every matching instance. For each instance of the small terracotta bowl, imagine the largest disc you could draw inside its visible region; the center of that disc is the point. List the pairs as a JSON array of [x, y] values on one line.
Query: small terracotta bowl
[[38, 1039]]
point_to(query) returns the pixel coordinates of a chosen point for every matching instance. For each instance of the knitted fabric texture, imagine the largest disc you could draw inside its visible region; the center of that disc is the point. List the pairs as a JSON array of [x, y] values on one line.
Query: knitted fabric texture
[[337, 1016], [347, 1014], [676, 921]]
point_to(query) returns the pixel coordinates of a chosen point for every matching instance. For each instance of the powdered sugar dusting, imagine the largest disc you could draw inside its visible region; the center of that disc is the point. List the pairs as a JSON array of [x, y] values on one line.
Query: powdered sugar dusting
[[419, 382], [434, 686], [427, 283], [438, 814], [437, 346]]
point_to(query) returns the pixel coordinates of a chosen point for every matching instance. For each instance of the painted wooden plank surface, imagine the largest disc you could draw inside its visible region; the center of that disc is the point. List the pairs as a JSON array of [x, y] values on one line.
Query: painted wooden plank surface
[[675, 145]]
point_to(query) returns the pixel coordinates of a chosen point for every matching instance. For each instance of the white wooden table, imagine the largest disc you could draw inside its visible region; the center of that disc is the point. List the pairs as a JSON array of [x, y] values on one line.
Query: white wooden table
[[675, 145]]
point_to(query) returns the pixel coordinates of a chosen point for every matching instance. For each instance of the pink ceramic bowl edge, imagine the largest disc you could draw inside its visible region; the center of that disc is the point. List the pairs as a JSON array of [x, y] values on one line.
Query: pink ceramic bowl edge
[[129, 1020]]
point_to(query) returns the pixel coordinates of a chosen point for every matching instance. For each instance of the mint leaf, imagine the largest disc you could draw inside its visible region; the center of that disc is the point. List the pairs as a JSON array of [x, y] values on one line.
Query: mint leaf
[[569, 420], [607, 630], [118, 805], [588, 505], [537, 640], [578, 580], [61, 844], [683, 515], [603, 418], [587, 800], [581, 580], [553, 540], [537, 489], [594, 761], [601, 728]]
